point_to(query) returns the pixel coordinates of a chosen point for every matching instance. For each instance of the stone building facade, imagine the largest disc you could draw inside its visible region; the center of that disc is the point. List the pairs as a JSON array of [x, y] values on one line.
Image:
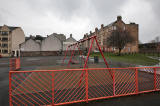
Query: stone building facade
[[68, 42], [10, 38], [30, 45], [53, 44], [105, 31]]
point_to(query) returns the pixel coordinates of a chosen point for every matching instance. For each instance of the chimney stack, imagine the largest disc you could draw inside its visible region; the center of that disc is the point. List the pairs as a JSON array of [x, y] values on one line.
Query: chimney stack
[[90, 32], [70, 35], [119, 18], [96, 29], [102, 26]]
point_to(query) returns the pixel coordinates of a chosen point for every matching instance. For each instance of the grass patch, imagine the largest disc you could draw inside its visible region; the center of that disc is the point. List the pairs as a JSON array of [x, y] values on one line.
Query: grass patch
[[137, 59]]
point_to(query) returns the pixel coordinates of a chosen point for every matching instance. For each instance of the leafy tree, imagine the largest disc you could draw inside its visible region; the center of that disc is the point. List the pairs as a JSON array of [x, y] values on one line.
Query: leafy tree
[[119, 39]]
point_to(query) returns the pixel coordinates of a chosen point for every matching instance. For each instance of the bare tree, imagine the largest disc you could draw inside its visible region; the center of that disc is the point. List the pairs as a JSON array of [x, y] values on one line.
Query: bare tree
[[119, 39], [157, 39]]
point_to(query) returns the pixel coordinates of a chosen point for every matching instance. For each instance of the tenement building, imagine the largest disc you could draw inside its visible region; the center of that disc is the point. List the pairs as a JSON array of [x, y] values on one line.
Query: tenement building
[[105, 31], [10, 38]]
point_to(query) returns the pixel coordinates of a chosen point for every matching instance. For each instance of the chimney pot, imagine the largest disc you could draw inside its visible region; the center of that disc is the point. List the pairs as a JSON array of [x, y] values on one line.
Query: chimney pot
[[90, 32], [102, 26]]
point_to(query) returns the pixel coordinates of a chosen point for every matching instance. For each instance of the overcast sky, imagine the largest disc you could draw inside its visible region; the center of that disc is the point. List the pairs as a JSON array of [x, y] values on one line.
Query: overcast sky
[[78, 17]]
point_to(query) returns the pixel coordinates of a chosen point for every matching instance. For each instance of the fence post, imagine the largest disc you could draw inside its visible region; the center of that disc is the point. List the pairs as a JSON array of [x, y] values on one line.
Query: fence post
[[136, 79], [71, 55], [52, 88], [86, 84], [16, 64], [65, 55], [113, 73], [10, 64], [19, 63], [10, 89], [155, 82]]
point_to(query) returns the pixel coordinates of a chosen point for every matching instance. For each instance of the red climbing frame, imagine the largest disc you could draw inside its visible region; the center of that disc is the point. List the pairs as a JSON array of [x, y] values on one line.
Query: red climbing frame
[[92, 39]]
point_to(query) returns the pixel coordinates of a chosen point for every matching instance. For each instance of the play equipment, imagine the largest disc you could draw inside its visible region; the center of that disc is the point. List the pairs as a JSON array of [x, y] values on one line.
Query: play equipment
[[94, 46]]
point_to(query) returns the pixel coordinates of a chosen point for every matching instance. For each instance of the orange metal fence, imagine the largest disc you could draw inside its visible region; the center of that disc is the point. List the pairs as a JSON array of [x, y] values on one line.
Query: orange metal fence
[[14, 64], [57, 87]]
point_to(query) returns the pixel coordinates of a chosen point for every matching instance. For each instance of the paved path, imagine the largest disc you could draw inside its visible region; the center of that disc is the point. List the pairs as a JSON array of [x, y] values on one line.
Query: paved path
[[149, 99]]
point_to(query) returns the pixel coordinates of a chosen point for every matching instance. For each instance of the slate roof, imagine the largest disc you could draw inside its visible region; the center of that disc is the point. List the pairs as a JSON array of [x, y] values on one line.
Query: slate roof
[[70, 39], [10, 27], [61, 37]]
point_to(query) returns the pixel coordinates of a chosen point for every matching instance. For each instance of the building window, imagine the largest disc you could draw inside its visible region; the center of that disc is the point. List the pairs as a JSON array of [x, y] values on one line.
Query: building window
[[124, 28], [4, 33], [114, 27], [4, 39], [106, 30], [4, 51], [113, 49], [129, 49], [4, 45]]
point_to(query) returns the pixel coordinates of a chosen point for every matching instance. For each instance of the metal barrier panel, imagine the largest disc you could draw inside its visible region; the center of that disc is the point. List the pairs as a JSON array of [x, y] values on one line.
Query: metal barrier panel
[[145, 79], [17, 63], [100, 83], [14, 64], [125, 81], [58, 87], [69, 86], [31, 88], [157, 78]]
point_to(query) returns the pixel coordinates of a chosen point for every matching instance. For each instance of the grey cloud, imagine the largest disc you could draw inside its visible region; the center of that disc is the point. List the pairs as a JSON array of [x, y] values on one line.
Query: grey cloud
[[155, 30], [4, 15], [29, 13], [1, 19], [105, 8], [155, 6], [65, 9]]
